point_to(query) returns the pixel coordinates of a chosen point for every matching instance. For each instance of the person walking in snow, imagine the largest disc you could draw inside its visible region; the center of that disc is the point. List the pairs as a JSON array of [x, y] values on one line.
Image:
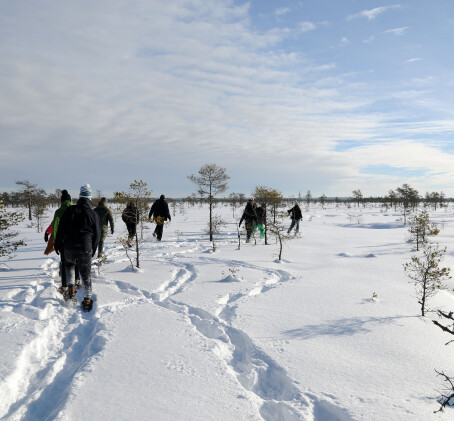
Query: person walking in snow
[[78, 236], [260, 211], [130, 217], [160, 213], [105, 218], [250, 218], [296, 216], [51, 234]]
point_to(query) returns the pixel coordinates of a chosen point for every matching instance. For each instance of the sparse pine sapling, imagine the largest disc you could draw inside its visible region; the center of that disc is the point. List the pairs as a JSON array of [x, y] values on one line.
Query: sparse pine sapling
[[421, 227], [427, 275], [280, 231], [8, 243], [447, 397]]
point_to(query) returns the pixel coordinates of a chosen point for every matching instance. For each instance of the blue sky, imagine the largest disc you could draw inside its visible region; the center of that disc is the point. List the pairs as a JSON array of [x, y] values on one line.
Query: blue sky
[[319, 95]]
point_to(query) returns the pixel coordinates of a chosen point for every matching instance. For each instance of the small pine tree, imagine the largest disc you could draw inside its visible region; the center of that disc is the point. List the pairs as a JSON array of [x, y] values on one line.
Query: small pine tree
[[140, 195], [8, 244], [420, 228], [427, 275], [211, 180], [280, 231]]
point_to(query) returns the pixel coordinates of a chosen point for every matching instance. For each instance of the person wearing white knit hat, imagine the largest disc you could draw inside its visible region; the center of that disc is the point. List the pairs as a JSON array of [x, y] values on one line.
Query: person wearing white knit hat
[[78, 236]]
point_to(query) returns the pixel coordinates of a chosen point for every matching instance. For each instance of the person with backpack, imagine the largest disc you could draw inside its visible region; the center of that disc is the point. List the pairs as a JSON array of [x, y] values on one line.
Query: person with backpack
[[260, 225], [296, 216], [160, 213], [250, 218], [78, 237], [130, 217], [51, 234], [105, 218]]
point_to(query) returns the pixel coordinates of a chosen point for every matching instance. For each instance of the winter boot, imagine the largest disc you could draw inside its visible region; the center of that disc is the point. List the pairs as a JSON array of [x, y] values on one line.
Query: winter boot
[[78, 284], [62, 290], [70, 295], [87, 304]]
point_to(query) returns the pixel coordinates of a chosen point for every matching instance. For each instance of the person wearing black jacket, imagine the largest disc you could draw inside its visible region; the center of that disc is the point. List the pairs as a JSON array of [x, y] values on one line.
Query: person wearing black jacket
[[78, 236], [160, 213], [296, 216], [130, 217], [250, 218]]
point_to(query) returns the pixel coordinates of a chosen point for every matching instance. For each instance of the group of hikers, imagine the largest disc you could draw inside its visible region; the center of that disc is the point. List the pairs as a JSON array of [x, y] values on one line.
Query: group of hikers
[[78, 231], [254, 218]]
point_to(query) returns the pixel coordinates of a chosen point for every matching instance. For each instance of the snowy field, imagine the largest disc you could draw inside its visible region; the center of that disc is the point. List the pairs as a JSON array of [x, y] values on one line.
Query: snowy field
[[231, 335]]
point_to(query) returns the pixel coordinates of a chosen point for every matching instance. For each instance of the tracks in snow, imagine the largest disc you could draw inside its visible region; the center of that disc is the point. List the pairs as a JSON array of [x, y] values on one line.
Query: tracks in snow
[[67, 342]]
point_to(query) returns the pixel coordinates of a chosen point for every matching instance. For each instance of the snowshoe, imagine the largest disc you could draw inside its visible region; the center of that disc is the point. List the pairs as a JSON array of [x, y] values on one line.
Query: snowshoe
[[62, 290], [70, 295], [87, 304]]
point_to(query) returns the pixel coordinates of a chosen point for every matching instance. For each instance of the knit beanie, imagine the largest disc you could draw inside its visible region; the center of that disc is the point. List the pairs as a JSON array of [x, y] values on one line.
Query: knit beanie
[[65, 196], [85, 192]]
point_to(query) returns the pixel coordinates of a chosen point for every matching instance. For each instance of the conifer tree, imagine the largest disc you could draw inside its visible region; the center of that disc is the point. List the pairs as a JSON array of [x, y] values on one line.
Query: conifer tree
[[211, 180], [421, 228], [8, 243], [427, 275]]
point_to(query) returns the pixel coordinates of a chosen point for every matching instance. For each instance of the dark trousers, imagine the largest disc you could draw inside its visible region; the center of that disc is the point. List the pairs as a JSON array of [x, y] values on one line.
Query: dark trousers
[[62, 270], [249, 229], [295, 222], [131, 230], [83, 258], [159, 230], [101, 242]]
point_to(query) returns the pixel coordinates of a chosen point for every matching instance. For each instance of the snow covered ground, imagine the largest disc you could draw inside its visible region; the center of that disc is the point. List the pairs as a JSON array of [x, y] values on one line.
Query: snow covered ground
[[230, 335]]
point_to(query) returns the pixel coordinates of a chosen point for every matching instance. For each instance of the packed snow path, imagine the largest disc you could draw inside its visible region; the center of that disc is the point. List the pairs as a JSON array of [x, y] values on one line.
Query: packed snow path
[[59, 356]]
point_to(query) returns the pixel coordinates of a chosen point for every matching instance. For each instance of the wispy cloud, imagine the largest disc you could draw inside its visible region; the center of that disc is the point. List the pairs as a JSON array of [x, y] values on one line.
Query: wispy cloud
[[282, 11], [344, 41], [397, 31], [307, 26], [162, 87], [413, 60], [372, 13]]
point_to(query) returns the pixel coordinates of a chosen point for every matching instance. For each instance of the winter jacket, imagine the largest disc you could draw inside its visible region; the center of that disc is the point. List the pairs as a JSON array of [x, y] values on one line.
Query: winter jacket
[[105, 217], [130, 214], [249, 214], [295, 213], [260, 211], [79, 228], [58, 215], [160, 208]]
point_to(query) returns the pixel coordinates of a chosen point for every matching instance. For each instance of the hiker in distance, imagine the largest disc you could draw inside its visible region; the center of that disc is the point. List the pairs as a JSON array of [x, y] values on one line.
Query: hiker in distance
[[296, 216], [250, 218], [159, 212], [105, 218], [130, 217], [78, 236]]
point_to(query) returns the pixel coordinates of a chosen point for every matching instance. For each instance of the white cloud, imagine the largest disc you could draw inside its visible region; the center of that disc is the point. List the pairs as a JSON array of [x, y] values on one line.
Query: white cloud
[[397, 31], [307, 26], [369, 40], [344, 41], [372, 13], [413, 60], [282, 11], [162, 88]]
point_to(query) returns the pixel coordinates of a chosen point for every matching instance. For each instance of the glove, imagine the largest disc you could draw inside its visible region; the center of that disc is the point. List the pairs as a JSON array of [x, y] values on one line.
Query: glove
[[46, 237]]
